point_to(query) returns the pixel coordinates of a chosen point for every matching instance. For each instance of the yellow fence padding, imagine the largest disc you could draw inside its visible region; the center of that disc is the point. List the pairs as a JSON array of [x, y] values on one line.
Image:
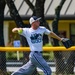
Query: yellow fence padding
[[28, 49]]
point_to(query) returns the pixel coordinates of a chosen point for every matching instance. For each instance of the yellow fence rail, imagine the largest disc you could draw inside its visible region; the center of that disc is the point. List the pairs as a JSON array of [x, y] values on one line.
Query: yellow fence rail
[[28, 49]]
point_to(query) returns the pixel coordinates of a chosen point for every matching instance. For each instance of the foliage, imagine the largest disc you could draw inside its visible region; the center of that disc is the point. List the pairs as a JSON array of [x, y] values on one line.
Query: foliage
[[48, 45], [13, 55]]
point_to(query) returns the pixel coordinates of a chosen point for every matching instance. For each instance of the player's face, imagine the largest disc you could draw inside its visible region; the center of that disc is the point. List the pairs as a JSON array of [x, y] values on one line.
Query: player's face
[[36, 24]]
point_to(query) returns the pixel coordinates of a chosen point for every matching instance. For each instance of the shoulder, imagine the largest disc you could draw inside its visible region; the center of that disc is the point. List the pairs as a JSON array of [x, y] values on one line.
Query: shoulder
[[42, 27], [25, 29]]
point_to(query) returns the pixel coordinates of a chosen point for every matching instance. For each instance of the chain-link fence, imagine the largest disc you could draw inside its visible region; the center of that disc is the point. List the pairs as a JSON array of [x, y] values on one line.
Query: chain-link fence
[[60, 62]]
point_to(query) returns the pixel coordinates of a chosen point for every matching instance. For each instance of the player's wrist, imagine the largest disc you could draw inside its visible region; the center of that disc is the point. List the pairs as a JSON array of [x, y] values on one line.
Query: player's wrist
[[61, 39]]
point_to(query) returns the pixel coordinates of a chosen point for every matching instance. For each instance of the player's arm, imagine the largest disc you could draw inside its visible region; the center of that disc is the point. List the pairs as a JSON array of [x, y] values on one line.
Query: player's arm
[[53, 35], [66, 42], [17, 30]]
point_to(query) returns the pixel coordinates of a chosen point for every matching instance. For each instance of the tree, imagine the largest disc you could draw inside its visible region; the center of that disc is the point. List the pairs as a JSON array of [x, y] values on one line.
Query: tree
[[58, 55], [2, 54]]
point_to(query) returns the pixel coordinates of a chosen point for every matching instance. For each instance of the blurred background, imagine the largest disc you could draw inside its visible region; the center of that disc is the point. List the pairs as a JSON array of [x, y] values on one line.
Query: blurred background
[[56, 15]]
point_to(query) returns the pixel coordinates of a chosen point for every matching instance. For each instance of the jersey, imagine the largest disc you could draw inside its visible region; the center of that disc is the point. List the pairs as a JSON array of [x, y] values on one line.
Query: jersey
[[35, 37]]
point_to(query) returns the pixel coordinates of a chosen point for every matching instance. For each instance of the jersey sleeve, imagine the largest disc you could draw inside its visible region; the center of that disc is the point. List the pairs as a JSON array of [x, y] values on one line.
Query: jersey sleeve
[[47, 31]]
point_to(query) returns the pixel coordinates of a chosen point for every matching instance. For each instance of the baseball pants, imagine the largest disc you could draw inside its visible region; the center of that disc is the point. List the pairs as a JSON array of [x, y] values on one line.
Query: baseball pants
[[36, 60]]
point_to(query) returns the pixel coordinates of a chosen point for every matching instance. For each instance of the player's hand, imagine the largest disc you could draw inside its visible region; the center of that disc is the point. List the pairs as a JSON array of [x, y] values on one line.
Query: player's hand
[[15, 30]]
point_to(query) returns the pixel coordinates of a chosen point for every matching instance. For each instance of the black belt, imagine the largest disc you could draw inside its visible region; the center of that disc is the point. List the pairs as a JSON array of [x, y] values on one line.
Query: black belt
[[38, 51]]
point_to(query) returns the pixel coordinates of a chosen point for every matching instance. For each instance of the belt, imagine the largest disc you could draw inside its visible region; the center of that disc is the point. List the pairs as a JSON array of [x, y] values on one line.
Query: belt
[[38, 51]]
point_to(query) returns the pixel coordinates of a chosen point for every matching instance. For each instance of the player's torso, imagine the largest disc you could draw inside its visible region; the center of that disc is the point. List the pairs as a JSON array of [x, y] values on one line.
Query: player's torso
[[34, 38]]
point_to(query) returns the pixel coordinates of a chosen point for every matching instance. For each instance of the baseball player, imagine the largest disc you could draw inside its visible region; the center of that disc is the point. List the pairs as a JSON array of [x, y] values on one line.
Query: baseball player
[[34, 36]]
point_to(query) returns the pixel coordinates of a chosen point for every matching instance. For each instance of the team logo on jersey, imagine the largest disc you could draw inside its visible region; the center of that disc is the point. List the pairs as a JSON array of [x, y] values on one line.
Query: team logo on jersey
[[36, 38]]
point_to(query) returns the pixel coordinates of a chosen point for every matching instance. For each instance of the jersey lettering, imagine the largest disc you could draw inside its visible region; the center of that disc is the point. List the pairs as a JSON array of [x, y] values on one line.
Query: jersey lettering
[[36, 38]]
